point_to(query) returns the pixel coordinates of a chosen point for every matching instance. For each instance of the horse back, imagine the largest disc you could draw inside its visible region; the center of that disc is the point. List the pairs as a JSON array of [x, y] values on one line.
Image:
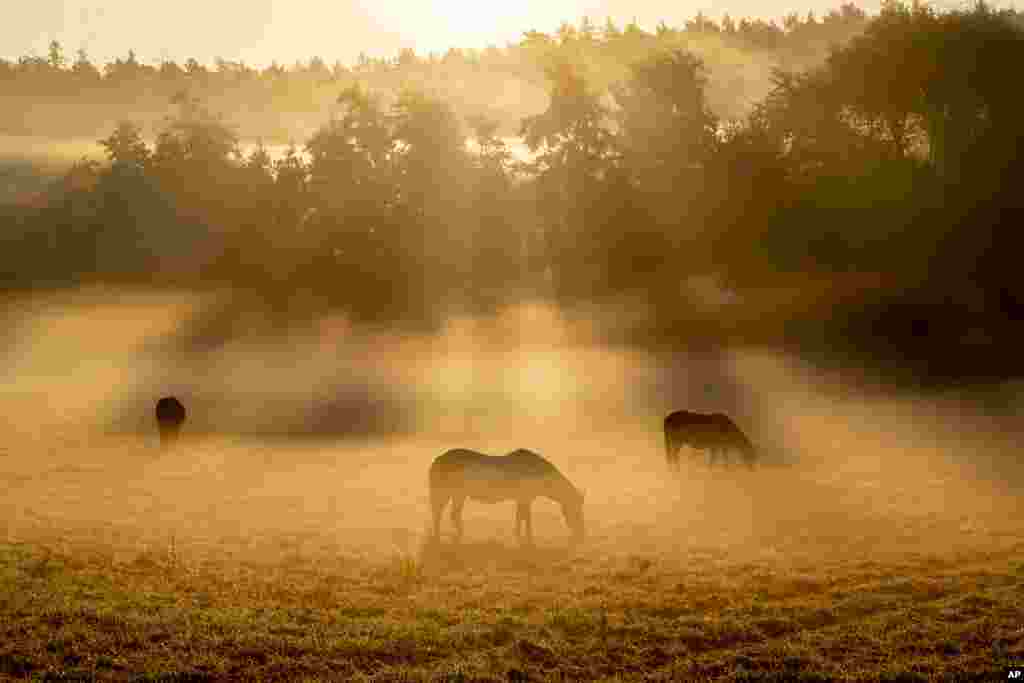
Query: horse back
[[727, 427], [705, 429], [450, 466], [682, 419], [491, 478]]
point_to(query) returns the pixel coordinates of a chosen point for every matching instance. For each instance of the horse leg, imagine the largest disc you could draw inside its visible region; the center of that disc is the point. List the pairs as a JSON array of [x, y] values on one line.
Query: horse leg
[[677, 457], [457, 504], [673, 459], [522, 520], [749, 458], [437, 503], [527, 513]]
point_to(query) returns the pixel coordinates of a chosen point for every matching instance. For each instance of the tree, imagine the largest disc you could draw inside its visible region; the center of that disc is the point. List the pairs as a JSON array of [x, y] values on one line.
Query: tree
[[496, 243], [291, 179], [746, 189], [664, 118], [123, 70], [196, 165], [351, 170], [375, 230], [431, 165], [587, 31], [83, 69], [170, 71], [432, 149], [194, 69], [318, 69], [125, 147], [667, 136], [881, 99], [407, 58], [805, 115], [197, 138], [56, 56], [701, 24], [493, 155], [611, 31], [573, 150]]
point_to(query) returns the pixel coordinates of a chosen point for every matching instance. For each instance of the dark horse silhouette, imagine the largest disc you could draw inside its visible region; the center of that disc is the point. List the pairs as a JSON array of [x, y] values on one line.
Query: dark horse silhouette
[[521, 476], [170, 416], [714, 433]]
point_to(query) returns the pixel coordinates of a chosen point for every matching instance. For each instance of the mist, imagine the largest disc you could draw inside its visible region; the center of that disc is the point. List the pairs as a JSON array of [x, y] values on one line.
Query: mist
[[343, 271], [327, 436]]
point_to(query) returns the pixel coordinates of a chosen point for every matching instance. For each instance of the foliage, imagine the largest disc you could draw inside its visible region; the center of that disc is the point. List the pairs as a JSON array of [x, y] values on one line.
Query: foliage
[[633, 186]]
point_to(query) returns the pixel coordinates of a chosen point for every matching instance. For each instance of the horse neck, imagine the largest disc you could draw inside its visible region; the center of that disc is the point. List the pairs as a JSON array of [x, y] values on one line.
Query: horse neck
[[561, 491]]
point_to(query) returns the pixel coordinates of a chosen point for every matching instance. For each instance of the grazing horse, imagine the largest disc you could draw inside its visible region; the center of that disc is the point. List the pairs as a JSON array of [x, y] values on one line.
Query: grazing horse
[[170, 415], [715, 433], [521, 476]]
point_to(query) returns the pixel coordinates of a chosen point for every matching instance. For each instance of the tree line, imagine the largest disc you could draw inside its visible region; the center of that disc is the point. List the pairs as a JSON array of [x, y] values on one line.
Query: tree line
[[310, 86], [910, 174], [57, 72]]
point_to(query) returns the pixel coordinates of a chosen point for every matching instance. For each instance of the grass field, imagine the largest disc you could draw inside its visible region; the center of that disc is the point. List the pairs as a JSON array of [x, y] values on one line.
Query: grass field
[[882, 549]]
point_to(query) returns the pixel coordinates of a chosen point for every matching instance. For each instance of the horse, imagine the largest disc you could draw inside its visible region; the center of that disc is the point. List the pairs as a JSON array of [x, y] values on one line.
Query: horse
[[170, 416], [521, 476], [714, 433]]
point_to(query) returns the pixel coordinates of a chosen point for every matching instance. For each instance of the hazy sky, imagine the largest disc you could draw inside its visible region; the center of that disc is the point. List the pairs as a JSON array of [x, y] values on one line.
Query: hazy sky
[[258, 31]]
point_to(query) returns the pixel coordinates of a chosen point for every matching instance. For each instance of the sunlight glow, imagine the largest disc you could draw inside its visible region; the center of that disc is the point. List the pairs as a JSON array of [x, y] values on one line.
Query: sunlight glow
[[438, 26], [456, 378], [543, 377]]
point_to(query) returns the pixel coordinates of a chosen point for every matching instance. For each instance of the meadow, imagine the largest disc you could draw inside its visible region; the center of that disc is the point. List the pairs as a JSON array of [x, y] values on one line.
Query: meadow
[[882, 538]]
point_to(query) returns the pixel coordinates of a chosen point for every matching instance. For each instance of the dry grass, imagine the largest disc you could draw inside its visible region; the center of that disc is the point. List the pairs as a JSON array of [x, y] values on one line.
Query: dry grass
[[889, 551], [918, 619], [852, 594]]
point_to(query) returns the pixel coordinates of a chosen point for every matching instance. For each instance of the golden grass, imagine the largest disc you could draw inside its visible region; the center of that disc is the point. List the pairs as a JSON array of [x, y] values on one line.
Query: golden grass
[[679, 588], [888, 551], [482, 612]]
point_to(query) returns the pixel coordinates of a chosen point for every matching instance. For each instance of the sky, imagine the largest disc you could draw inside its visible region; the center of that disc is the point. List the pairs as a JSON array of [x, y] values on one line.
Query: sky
[[259, 31]]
